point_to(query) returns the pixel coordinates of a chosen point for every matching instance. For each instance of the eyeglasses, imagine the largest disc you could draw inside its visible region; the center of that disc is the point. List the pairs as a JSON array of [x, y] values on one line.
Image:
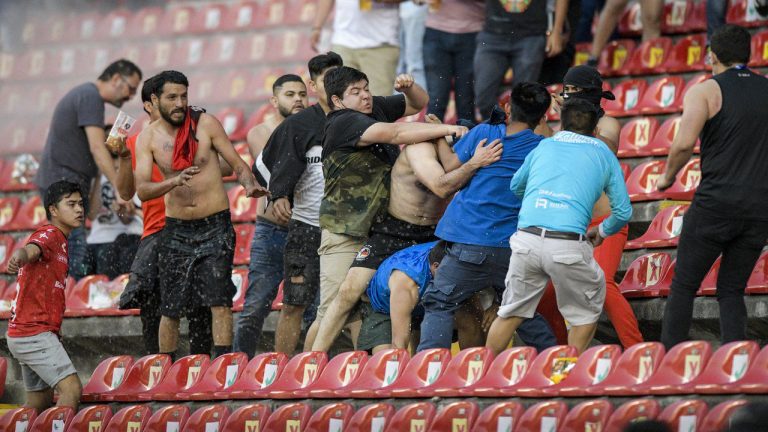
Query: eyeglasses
[[131, 89]]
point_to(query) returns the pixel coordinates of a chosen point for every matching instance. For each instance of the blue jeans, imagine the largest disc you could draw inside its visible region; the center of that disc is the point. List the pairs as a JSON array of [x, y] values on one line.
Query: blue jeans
[[264, 275], [412, 18], [448, 58], [465, 270], [497, 53]]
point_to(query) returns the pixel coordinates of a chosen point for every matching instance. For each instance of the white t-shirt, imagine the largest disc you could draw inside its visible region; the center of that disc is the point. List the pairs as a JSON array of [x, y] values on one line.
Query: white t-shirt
[[106, 226], [309, 189], [355, 28]]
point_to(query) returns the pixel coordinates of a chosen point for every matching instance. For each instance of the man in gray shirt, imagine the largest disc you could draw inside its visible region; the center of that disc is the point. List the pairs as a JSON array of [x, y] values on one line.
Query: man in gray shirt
[[75, 150]]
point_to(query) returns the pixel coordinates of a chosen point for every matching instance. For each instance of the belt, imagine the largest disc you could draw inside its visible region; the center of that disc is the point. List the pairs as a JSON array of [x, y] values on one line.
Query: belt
[[554, 234]]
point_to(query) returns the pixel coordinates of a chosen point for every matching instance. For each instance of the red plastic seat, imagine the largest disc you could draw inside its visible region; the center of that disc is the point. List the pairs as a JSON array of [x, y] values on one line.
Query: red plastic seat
[[188, 54], [240, 279], [218, 377], [381, 371], [680, 366], [553, 113], [301, 372], [3, 373], [207, 418], [331, 418], [422, 370], [709, 284], [754, 381], [289, 417], [78, 299], [632, 411], [663, 138], [685, 184], [544, 416], [7, 297], [615, 58], [242, 208], [539, 372], [129, 419], [507, 369], [233, 120], [182, 375], [371, 418], [676, 16], [588, 416], [684, 415], [664, 230], [276, 12], [457, 416], [628, 96], [501, 416], [243, 16], [107, 376], [758, 280], [31, 215], [243, 238], [208, 18], [93, 418], [178, 19], [688, 54], [717, 418], [18, 174], [115, 24], [338, 374], [650, 56], [6, 250], [743, 13], [53, 419], [728, 365], [636, 366], [247, 418], [592, 367], [301, 12], [18, 419], [9, 206], [644, 275], [465, 369], [630, 22], [759, 55], [170, 417], [416, 417], [697, 22], [145, 22], [143, 376], [635, 136], [662, 96], [641, 184], [295, 45], [259, 374]]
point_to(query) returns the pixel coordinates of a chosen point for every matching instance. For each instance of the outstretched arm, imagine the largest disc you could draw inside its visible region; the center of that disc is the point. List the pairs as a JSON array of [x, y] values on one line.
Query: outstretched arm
[[416, 98], [407, 133], [403, 297], [227, 151], [21, 257]]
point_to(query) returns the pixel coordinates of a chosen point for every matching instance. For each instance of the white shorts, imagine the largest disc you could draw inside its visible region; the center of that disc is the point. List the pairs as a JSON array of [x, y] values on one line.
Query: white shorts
[[44, 361]]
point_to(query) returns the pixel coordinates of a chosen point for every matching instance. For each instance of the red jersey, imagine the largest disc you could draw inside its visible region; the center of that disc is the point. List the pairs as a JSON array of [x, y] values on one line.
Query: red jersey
[[39, 304], [154, 209]]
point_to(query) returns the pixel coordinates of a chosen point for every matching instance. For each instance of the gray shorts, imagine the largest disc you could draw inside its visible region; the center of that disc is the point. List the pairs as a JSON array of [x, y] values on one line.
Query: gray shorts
[[578, 279], [44, 362]]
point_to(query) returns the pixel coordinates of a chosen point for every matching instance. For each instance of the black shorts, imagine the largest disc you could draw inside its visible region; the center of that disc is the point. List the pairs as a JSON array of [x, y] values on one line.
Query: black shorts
[[376, 328], [195, 258], [389, 236], [302, 264], [143, 290]]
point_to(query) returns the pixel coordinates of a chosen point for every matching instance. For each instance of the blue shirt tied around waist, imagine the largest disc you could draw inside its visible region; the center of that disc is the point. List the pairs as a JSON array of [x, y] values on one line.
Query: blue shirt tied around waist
[[484, 212], [413, 261], [562, 179]]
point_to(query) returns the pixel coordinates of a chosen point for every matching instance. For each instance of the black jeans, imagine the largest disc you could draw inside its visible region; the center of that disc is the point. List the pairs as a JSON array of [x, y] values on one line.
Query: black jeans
[[448, 60], [704, 237]]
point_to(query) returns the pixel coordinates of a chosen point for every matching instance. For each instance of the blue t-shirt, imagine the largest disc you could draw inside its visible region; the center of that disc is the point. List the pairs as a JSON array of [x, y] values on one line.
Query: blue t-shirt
[[562, 180], [484, 212], [413, 261]]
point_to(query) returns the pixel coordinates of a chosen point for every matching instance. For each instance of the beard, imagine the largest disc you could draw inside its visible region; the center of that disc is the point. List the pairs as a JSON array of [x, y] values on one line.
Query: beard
[[167, 116], [285, 112]]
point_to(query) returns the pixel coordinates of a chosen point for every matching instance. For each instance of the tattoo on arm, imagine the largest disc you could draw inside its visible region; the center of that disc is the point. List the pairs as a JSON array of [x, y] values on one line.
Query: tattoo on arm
[[167, 146]]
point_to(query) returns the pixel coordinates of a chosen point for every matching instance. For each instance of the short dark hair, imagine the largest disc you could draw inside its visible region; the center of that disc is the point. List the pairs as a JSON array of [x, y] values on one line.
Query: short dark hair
[[529, 102], [731, 44], [337, 81], [57, 191], [123, 67], [285, 79], [319, 63], [146, 91], [165, 77], [437, 253], [580, 116]]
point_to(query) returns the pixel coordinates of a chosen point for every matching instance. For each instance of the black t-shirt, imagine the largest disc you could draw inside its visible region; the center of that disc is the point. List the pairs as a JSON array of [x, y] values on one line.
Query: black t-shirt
[[516, 18]]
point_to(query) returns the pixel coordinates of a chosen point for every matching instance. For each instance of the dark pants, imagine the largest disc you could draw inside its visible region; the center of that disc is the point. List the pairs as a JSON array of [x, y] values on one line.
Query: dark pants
[[114, 259], [703, 239], [465, 270], [448, 61]]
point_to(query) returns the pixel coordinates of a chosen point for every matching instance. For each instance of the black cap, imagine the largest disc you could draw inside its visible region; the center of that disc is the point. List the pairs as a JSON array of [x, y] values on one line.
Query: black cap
[[588, 78]]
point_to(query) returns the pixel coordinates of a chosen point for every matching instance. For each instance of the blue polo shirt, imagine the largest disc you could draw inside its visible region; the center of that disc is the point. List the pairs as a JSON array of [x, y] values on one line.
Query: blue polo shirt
[[561, 181], [484, 212], [413, 261]]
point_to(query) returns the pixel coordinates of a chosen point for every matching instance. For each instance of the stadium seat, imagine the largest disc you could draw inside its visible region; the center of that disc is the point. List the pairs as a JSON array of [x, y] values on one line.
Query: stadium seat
[[628, 96], [224, 50], [696, 79], [664, 136], [233, 119], [507, 369], [188, 53], [242, 208], [421, 371], [301, 372], [457, 416], [743, 13], [259, 374], [685, 415], [182, 375], [178, 19], [17, 419], [338, 374], [632, 411], [544, 416], [240, 279], [728, 365], [649, 57], [208, 18], [539, 373], [630, 22], [635, 136], [207, 419], [662, 96], [381, 371], [53, 419], [142, 378], [685, 184], [758, 280], [301, 12], [688, 54], [676, 16], [641, 184], [644, 274], [6, 250], [718, 417], [9, 206], [635, 366], [331, 418], [759, 49], [93, 418], [247, 418], [243, 238], [7, 296], [30, 216], [588, 416], [107, 376], [289, 417], [114, 25], [223, 372], [145, 22], [615, 58], [88, 297], [3, 374], [593, 366], [501, 416], [414, 417], [276, 11], [130, 418], [371, 418], [709, 284], [32, 64], [168, 418], [681, 365], [243, 16], [664, 230], [464, 369], [755, 380]]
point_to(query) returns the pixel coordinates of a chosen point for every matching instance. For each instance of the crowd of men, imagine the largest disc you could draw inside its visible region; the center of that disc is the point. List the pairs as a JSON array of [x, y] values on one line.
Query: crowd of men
[[401, 232]]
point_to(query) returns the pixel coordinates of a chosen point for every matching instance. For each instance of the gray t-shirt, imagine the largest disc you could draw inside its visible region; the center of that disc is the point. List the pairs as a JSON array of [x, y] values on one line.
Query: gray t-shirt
[[66, 155]]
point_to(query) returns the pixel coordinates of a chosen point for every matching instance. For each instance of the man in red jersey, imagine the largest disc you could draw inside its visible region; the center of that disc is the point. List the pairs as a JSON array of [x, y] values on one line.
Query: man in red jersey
[[37, 311]]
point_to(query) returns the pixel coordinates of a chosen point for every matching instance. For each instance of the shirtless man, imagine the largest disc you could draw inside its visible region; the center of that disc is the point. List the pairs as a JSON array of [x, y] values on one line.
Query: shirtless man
[[265, 271], [198, 240]]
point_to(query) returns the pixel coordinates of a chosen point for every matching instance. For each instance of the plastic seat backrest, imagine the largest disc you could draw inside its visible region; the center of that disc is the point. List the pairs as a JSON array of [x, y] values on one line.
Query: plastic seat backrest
[[331, 417], [588, 416], [641, 184], [457, 416], [501, 416], [9, 206], [260, 373], [371, 418], [183, 374], [540, 370], [628, 96], [717, 417], [729, 363], [650, 56], [289, 417], [684, 415], [543, 416], [248, 418], [381, 370], [132, 418], [222, 373], [204, 419], [300, 372], [53, 419], [632, 411], [465, 369], [93, 418], [688, 54], [645, 272], [758, 280], [508, 368], [416, 417], [615, 58], [664, 229], [145, 374], [686, 182], [636, 135], [18, 419], [423, 369], [593, 366], [176, 415], [683, 363], [107, 376], [341, 371], [636, 365], [662, 96]]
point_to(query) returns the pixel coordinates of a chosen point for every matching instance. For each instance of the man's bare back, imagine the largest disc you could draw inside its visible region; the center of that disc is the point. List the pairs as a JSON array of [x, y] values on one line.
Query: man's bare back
[[257, 140]]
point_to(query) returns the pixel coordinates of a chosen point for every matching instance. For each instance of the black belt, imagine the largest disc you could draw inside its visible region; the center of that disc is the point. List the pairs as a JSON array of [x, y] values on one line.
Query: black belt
[[554, 234]]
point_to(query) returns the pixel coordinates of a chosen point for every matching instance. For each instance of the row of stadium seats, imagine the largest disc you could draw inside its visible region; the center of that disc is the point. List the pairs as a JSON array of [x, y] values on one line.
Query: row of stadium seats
[[462, 416], [643, 369]]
